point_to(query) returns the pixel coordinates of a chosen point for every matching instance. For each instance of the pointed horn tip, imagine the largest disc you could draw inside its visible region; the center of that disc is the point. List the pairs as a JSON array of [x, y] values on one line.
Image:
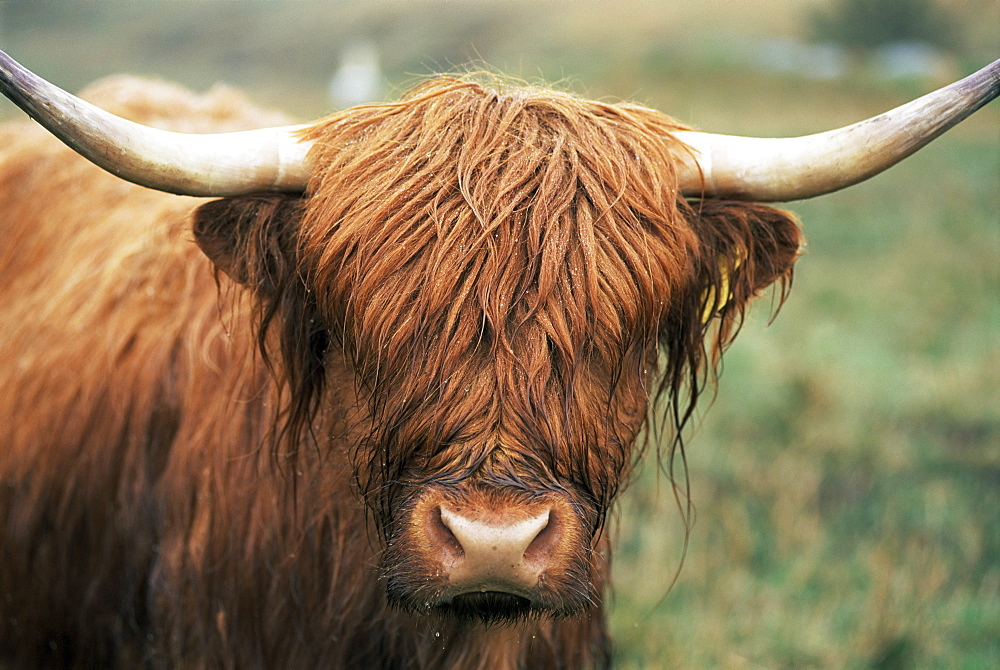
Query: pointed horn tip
[[15, 79], [989, 76]]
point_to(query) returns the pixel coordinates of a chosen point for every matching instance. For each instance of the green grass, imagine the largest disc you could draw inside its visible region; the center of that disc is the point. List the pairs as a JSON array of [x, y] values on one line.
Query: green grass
[[847, 478]]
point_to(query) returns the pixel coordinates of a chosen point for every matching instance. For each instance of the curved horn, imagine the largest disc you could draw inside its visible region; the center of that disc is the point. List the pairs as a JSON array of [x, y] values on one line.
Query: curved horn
[[222, 164], [767, 170]]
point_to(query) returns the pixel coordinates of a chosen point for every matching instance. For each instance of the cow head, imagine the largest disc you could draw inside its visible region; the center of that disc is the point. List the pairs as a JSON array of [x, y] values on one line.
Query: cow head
[[512, 278]]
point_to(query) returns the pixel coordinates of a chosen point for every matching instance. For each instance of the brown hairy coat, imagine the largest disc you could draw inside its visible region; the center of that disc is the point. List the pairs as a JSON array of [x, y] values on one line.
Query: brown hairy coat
[[483, 290]]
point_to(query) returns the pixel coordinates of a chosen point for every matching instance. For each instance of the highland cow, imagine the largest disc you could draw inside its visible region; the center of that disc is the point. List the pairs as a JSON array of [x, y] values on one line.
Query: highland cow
[[372, 407]]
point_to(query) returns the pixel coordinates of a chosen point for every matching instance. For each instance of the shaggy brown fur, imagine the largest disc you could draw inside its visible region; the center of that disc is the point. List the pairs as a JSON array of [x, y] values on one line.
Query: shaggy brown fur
[[480, 293]]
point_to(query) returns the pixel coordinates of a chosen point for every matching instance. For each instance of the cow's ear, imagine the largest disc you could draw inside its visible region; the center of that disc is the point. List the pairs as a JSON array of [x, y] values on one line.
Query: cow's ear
[[745, 248], [251, 238]]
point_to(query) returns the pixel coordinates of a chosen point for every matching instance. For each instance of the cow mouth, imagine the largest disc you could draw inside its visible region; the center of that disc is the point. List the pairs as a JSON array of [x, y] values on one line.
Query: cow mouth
[[488, 606]]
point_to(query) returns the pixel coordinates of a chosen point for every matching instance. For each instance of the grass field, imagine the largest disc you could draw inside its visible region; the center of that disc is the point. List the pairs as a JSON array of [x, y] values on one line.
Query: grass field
[[847, 478]]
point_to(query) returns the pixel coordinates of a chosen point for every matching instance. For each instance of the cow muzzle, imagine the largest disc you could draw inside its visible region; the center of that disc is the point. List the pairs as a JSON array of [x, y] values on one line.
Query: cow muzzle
[[491, 555]]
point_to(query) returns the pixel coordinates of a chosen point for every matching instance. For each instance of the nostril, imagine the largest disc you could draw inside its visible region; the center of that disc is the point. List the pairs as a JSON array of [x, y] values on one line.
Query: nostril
[[442, 537], [540, 548]]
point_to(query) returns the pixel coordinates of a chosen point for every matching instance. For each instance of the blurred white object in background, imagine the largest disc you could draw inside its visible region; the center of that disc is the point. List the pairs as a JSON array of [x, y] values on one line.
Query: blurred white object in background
[[358, 79]]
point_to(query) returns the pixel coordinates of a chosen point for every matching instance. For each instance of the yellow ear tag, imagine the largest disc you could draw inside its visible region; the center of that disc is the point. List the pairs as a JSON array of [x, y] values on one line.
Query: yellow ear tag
[[708, 297]]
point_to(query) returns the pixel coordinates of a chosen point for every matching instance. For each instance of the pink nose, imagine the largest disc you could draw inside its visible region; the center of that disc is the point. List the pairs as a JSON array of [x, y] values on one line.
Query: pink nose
[[506, 551]]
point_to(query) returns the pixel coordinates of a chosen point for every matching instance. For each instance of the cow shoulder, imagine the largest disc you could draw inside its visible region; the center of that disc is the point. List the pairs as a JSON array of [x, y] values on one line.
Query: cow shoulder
[[169, 106]]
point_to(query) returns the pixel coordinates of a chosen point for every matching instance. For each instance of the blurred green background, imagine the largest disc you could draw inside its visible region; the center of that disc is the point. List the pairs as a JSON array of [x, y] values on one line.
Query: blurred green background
[[846, 481]]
